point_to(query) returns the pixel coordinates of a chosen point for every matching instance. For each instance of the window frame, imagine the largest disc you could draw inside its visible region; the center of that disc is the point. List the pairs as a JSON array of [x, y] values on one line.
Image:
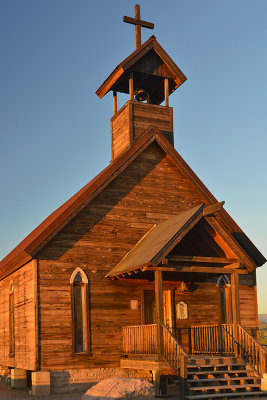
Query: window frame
[[85, 311], [11, 320]]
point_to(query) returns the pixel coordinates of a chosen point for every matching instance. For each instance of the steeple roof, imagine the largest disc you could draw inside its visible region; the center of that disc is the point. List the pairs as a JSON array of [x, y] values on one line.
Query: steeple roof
[[150, 65]]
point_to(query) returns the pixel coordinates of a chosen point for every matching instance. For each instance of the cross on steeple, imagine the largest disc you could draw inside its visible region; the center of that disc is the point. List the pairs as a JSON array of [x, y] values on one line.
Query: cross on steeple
[[138, 24]]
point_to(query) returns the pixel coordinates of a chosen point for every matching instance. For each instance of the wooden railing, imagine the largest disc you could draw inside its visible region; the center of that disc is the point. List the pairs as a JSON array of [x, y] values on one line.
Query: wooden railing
[[212, 339], [140, 339], [177, 357], [205, 339], [251, 350], [174, 352]]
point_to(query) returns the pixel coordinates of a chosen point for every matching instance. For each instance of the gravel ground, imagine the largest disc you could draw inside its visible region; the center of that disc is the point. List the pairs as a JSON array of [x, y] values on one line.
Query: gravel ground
[[6, 393]]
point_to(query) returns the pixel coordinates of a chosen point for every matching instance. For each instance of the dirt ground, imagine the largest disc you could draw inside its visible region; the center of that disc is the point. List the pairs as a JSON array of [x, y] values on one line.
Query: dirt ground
[[6, 393]]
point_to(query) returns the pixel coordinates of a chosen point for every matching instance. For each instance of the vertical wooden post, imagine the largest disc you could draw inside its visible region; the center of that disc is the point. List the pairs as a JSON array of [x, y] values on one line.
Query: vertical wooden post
[[115, 102], [235, 308], [159, 313], [160, 380], [36, 312], [166, 92], [183, 376], [131, 90], [137, 27]]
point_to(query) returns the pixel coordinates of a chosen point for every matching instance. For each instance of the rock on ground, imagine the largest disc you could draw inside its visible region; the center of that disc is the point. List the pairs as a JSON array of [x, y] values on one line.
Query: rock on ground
[[120, 388]]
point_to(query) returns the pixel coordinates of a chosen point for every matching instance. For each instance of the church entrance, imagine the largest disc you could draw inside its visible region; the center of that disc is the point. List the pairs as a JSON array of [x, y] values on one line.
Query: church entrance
[[150, 308], [225, 300]]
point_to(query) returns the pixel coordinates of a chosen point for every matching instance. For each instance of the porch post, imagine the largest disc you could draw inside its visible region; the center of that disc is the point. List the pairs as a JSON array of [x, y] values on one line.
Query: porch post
[[235, 308], [160, 380], [159, 313]]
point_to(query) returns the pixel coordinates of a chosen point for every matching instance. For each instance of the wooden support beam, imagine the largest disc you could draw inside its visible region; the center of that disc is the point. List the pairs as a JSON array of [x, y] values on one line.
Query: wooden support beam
[[159, 313], [232, 243], [213, 208], [138, 24], [36, 312], [203, 270], [197, 259], [131, 87], [235, 309], [115, 102], [166, 92], [235, 298]]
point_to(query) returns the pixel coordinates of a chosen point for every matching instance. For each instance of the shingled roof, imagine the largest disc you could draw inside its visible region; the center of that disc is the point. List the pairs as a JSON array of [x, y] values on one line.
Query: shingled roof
[[41, 235]]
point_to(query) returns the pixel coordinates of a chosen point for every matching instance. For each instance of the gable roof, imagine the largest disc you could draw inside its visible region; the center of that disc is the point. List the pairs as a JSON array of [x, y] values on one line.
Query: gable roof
[[145, 252], [41, 235], [160, 240], [118, 79]]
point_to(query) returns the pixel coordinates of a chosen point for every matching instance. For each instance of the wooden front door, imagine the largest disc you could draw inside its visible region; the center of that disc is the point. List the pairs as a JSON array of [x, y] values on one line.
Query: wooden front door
[[225, 301], [225, 305], [150, 307]]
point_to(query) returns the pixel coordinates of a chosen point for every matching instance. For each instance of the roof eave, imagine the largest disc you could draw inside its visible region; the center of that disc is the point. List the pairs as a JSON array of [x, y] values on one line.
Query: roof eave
[[124, 66]]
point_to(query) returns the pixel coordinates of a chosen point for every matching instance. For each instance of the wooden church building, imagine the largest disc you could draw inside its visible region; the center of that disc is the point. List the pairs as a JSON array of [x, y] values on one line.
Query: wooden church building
[[142, 273]]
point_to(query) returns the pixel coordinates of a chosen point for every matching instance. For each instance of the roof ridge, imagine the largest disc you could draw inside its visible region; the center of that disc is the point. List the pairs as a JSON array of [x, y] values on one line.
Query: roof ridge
[[41, 235]]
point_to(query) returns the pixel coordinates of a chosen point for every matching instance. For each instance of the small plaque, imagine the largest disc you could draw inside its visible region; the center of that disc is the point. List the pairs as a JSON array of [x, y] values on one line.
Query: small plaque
[[134, 304], [181, 310]]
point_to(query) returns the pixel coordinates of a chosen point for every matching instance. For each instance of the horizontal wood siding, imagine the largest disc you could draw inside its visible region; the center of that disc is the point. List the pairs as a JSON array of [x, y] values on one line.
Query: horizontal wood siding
[[109, 311], [24, 317], [145, 115], [133, 119], [202, 303], [120, 132], [150, 190], [248, 304]]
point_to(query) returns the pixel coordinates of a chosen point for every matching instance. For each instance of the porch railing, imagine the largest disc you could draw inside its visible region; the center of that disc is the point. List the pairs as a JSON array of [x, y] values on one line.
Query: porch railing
[[212, 339], [174, 352], [251, 350], [205, 339], [176, 356], [140, 339]]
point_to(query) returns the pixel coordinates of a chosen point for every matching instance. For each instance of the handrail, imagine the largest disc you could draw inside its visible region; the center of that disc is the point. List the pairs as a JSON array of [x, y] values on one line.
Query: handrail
[[251, 350], [139, 339], [176, 356], [212, 339], [169, 336]]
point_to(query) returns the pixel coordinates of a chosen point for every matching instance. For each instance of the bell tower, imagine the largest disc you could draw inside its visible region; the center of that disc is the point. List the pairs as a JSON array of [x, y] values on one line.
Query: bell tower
[[149, 76]]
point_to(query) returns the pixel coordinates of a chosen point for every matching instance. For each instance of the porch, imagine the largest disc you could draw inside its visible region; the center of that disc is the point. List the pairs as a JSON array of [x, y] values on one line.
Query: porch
[[224, 360], [188, 269]]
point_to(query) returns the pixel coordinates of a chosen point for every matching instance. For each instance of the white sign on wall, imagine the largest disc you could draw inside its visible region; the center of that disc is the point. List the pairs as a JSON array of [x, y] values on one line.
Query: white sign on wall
[[181, 310]]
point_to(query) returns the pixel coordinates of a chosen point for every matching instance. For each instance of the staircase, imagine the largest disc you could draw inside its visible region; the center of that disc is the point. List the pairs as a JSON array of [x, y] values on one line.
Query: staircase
[[217, 377], [212, 372]]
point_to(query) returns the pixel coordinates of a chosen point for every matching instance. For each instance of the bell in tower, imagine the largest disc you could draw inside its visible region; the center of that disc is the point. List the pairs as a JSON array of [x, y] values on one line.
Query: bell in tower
[[149, 76]]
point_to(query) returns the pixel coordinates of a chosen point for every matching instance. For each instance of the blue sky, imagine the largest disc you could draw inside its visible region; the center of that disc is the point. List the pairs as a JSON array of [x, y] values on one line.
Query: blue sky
[[55, 132]]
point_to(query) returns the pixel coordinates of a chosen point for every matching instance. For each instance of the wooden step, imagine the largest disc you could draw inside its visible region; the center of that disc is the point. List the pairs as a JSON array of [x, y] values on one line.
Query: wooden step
[[225, 387], [234, 378], [215, 365], [235, 371], [214, 360], [241, 395]]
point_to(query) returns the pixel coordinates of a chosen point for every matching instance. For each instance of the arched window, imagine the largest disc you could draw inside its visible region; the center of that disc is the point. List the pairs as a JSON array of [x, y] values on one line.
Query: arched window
[[11, 320], [80, 311], [225, 300]]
